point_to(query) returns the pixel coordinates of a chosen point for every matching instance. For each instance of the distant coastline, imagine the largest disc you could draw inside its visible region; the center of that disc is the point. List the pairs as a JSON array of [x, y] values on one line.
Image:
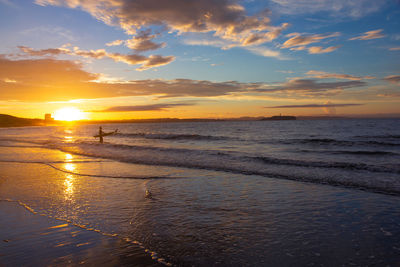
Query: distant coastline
[[280, 118], [12, 121]]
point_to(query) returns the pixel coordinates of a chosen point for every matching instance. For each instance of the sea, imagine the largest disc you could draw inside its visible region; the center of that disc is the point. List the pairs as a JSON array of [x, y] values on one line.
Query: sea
[[224, 193]]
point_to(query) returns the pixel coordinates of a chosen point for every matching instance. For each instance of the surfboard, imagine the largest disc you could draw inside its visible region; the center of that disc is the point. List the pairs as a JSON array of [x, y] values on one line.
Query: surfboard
[[105, 134]]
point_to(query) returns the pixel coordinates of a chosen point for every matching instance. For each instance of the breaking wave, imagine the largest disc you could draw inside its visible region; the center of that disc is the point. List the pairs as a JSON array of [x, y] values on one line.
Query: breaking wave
[[167, 136]]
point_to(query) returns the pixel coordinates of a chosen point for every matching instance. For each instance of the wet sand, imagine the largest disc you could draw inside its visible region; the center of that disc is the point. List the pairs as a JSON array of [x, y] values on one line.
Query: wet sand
[[29, 236], [29, 239]]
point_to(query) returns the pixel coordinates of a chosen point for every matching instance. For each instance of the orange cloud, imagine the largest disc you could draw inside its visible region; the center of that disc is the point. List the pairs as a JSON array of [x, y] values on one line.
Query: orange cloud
[[309, 87], [115, 43], [303, 40], [376, 34], [321, 50], [316, 105], [132, 59], [152, 107], [395, 79], [327, 75], [44, 79], [60, 80]]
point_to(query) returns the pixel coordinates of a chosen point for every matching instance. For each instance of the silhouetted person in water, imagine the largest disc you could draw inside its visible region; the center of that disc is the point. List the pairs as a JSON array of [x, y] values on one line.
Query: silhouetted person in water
[[101, 134]]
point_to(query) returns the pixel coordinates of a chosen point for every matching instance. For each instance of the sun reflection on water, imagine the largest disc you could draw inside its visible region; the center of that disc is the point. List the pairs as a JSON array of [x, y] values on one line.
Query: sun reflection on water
[[69, 139]]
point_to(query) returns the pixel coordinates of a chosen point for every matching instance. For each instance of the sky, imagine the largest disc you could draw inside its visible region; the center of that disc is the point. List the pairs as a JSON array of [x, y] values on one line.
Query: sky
[[137, 59]]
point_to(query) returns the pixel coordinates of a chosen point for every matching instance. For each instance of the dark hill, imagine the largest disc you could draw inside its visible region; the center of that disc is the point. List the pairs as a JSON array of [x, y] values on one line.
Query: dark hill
[[11, 121]]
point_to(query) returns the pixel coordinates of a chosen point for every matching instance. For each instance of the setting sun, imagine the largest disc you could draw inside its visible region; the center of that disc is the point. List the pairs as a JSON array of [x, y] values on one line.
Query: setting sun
[[69, 114]]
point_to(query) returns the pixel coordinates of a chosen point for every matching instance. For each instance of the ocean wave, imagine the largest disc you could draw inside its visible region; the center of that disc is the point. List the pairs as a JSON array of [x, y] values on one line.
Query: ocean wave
[[371, 153], [340, 165], [182, 157], [380, 178], [335, 142], [353, 152], [167, 136], [385, 136]]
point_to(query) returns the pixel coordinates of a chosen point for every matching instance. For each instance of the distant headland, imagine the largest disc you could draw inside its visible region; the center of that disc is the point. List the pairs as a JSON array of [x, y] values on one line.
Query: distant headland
[[279, 118], [11, 121]]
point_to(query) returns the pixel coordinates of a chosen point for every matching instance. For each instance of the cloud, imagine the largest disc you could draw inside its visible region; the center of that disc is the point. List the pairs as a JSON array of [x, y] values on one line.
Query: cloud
[[303, 40], [298, 48], [57, 33], [156, 61], [393, 79], [376, 34], [62, 80], [266, 52], [115, 43], [59, 80], [43, 79], [316, 105], [6, 80], [397, 48], [327, 75], [338, 8], [390, 95], [225, 19], [258, 50], [146, 62], [143, 42], [43, 52], [207, 41], [285, 71], [310, 87], [153, 107], [299, 42], [321, 50], [8, 3]]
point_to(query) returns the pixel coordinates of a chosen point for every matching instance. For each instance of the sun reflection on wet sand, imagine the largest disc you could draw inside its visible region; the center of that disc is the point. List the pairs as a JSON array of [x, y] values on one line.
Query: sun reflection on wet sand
[[69, 187], [68, 157], [69, 179], [69, 167]]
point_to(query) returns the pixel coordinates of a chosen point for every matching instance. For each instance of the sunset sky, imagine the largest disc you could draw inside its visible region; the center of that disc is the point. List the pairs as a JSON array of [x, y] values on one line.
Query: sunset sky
[[121, 59]]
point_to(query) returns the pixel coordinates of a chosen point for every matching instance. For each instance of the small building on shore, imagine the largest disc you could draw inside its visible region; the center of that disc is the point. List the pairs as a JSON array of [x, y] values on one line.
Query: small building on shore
[[48, 118]]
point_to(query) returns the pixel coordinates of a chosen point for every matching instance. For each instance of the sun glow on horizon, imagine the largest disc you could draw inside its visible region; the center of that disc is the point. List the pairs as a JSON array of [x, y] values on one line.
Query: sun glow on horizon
[[69, 114]]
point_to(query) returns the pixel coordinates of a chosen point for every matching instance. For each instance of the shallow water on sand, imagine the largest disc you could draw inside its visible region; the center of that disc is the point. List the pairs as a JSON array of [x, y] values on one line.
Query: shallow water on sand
[[204, 212]]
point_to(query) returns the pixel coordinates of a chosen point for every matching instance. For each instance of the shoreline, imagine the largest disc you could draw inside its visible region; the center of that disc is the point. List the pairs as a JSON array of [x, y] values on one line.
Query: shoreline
[[37, 239]]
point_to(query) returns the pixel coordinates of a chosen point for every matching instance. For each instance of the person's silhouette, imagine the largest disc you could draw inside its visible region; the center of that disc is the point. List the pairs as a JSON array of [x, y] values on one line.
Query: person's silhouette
[[101, 134]]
